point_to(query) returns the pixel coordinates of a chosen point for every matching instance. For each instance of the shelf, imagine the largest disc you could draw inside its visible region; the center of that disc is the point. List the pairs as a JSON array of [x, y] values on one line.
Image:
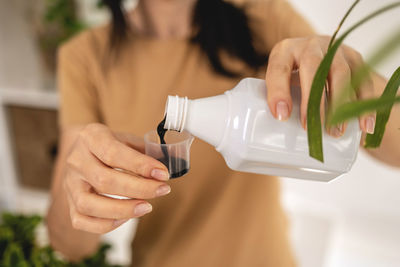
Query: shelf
[[34, 98]]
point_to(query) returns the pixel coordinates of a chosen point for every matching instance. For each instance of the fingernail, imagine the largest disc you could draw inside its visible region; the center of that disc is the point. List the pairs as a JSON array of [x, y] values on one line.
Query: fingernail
[[159, 174], [163, 190], [370, 125], [142, 209], [282, 110], [336, 131], [119, 222]]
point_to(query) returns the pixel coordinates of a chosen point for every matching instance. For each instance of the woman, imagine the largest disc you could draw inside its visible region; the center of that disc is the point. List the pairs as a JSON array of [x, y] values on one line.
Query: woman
[[114, 81]]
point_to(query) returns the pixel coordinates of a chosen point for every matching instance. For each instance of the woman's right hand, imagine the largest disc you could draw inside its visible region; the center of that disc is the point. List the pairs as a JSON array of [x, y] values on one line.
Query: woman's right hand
[[102, 162]]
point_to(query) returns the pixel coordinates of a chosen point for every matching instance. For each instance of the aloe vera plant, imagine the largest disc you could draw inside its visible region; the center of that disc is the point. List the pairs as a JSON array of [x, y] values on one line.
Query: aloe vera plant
[[343, 112]]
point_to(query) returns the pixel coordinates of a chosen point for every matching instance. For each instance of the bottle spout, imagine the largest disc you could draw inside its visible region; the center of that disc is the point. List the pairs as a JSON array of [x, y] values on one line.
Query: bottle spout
[[176, 113]]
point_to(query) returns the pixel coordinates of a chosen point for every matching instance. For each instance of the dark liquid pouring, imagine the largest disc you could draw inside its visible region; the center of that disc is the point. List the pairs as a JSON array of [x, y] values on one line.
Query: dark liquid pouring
[[177, 167], [161, 133]]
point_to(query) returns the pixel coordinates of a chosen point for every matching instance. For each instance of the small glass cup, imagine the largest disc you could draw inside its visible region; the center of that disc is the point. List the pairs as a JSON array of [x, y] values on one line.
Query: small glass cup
[[175, 154]]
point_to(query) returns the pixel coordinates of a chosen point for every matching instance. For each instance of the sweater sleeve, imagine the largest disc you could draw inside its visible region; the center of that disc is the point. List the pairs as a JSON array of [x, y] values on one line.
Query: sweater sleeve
[[78, 96]]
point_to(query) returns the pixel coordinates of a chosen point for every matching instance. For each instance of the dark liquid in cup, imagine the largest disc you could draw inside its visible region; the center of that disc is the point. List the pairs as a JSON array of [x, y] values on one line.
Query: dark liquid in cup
[[177, 167]]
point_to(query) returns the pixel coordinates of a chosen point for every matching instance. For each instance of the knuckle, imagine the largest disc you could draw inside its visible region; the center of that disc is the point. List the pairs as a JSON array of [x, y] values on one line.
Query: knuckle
[[93, 127], [72, 161], [280, 68], [91, 130], [357, 56], [285, 43], [86, 132], [141, 166], [100, 181], [83, 134], [282, 44], [314, 41], [109, 152], [81, 204], [76, 222], [311, 59], [340, 67]]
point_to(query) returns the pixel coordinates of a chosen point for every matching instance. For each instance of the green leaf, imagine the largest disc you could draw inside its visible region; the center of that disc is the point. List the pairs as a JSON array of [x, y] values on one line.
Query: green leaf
[[22, 226], [45, 257], [14, 257], [382, 116], [314, 129], [18, 248], [341, 22], [6, 237], [363, 72], [357, 108]]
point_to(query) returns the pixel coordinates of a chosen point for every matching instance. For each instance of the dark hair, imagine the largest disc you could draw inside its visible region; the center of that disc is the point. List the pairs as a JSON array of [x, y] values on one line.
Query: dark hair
[[218, 26]]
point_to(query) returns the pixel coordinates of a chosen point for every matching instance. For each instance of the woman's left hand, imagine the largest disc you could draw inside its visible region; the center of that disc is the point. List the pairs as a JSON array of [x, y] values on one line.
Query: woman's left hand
[[305, 55]]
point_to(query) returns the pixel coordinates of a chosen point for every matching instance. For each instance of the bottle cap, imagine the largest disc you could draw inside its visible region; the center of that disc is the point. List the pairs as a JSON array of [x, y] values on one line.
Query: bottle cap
[[175, 111]]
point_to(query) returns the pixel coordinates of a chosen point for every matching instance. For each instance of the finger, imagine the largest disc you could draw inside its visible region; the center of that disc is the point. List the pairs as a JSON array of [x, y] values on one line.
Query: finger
[[308, 65], [339, 76], [106, 180], [365, 91], [118, 155], [92, 204], [367, 121], [88, 203], [92, 224], [279, 71]]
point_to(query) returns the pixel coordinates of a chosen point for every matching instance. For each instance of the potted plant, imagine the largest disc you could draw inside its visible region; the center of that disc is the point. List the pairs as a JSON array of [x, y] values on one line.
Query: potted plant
[[19, 248]]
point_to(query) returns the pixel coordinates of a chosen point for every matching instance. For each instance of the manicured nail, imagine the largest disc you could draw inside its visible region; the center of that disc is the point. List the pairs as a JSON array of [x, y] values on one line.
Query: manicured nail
[[336, 131], [142, 209], [282, 111], [370, 125], [159, 174], [163, 190], [119, 222]]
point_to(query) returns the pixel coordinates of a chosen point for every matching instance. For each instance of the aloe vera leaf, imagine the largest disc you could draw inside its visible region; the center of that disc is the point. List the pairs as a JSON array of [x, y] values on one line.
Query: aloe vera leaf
[[363, 71], [357, 108], [342, 22], [374, 140], [314, 131]]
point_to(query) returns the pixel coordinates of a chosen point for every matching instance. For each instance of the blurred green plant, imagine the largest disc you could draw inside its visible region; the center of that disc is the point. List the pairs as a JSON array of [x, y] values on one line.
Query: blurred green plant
[[59, 22], [63, 15], [18, 246], [345, 111]]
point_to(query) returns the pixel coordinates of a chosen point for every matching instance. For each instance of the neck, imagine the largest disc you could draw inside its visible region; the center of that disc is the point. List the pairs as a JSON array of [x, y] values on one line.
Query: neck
[[163, 19]]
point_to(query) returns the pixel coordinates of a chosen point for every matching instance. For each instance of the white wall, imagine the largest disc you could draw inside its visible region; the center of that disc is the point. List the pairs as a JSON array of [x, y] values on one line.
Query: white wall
[[358, 215], [21, 69]]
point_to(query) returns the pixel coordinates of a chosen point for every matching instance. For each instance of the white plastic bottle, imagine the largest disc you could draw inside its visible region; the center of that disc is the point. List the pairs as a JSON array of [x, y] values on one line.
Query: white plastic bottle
[[240, 126]]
